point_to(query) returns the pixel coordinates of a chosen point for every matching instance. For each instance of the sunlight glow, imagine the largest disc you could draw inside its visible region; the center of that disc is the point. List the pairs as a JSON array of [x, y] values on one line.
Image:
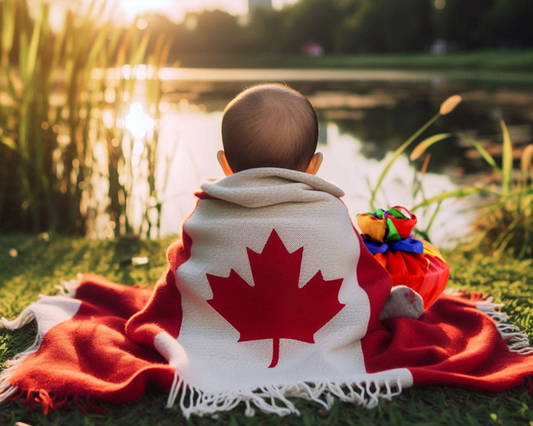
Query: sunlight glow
[[137, 122], [176, 9], [138, 7], [125, 11]]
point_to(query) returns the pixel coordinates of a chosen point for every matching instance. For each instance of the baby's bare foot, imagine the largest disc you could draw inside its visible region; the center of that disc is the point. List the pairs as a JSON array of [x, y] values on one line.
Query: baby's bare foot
[[403, 302]]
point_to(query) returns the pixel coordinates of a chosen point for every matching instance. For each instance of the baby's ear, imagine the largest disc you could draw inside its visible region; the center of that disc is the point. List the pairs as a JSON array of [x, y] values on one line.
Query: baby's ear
[[315, 163], [223, 161]]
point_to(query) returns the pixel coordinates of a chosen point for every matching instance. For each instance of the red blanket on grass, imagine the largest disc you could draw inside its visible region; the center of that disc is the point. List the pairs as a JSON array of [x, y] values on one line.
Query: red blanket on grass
[[270, 294], [89, 355]]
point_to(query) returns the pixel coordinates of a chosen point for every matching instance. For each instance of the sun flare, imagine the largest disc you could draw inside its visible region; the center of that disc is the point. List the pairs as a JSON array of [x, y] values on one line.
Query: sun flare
[[137, 7]]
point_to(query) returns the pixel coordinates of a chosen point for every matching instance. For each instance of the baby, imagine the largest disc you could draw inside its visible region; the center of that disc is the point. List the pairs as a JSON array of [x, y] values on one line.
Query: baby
[[269, 125], [273, 125], [271, 285]]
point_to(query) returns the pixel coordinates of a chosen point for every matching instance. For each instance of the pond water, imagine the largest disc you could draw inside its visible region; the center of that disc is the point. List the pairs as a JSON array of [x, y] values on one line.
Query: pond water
[[363, 117]]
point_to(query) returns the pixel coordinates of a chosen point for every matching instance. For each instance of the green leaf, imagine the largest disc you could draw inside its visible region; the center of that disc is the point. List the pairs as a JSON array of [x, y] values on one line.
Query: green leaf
[[458, 193], [482, 151], [507, 159], [396, 155], [97, 46], [10, 143], [23, 54], [34, 46], [426, 143], [8, 26], [433, 216], [139, 53], [58, 47]]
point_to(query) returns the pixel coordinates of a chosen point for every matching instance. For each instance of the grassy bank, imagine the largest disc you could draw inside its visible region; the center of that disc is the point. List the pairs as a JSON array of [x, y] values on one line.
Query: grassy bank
[[493, 60], [40, 263]]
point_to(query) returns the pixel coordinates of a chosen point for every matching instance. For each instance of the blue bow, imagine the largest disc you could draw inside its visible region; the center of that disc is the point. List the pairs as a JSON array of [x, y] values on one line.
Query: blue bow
[[408, 245]]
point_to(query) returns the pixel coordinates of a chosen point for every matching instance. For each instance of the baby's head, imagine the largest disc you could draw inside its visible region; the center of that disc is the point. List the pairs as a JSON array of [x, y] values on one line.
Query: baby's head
[[269, 125]]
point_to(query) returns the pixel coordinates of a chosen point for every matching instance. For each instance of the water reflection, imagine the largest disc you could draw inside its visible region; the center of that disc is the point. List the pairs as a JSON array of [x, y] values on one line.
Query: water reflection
[[383, 113], [362, 122], [138, 123]]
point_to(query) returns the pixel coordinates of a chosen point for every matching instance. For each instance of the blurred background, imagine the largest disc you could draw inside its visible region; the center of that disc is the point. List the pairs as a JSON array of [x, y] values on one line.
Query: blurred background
[[110, 111]]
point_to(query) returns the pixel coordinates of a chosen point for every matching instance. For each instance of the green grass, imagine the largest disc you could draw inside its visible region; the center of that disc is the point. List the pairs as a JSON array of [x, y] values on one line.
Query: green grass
[[495, 60], [41, 264]]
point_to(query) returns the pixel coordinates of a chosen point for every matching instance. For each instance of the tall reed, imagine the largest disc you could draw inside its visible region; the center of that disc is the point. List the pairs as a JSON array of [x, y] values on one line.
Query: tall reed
[[55, 112], [447, 107], [504, 221]]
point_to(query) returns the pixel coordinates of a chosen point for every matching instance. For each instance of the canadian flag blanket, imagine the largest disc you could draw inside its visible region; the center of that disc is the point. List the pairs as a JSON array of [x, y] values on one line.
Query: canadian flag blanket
[[270, 293]]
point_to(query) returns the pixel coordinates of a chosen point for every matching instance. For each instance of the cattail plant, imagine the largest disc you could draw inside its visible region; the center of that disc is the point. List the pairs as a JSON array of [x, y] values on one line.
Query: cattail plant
[[56, 110], [504, 221], [447, 107]]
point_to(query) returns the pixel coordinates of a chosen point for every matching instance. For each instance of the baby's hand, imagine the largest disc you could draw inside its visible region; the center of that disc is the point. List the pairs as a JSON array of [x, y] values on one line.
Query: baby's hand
[[402, 302]]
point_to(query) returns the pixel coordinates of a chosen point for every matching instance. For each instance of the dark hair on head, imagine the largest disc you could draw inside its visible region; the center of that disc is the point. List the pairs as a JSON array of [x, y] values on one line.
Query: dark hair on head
[[269, 125]]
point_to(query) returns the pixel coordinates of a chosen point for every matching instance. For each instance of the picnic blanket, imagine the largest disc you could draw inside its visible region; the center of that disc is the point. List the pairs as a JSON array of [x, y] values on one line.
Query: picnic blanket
[[269, 294]]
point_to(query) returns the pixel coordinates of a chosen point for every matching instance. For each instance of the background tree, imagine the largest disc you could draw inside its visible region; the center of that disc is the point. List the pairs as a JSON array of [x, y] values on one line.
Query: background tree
[[352, 26], [390, 26], [462, 21], [216, 31], [266, 30], [508, 24], [312, 21]]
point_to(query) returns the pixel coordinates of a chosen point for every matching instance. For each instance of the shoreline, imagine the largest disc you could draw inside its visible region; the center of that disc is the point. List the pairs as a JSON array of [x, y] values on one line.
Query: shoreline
[[229, 75]]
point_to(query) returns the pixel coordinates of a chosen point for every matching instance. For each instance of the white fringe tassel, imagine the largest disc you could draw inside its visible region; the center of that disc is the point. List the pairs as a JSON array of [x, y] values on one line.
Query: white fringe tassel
[[518, 342], [367, 394], [266, 398], [67, 288]]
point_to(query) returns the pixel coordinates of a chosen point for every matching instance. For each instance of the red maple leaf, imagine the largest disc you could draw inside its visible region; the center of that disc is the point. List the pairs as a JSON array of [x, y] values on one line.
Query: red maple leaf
[[275, 307]]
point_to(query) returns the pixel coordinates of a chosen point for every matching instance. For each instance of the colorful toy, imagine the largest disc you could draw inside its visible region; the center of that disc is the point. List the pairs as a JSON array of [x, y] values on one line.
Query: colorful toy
[[410, 261]]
